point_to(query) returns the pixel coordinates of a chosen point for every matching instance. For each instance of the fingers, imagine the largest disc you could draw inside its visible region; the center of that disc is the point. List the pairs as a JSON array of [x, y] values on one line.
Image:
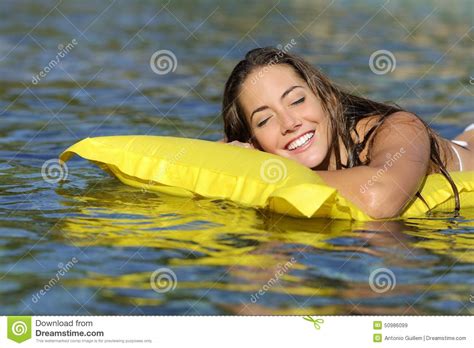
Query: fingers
[[239, 144]]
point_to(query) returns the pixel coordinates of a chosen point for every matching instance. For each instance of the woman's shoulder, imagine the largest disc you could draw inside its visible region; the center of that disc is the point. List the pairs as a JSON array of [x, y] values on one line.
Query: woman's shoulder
[[390, 123], [364, 125], [410, 129]]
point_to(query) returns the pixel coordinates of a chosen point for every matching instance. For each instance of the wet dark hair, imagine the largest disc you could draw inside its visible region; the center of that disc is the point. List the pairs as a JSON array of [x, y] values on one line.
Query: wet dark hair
[[344, 111]]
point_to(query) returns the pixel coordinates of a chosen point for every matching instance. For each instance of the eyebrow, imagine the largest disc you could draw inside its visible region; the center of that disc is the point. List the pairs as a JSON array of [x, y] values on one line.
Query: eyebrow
[[264, 107]]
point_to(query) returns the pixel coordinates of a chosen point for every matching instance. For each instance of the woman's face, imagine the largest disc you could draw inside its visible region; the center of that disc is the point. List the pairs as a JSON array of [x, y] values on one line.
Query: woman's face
[[286, 118]]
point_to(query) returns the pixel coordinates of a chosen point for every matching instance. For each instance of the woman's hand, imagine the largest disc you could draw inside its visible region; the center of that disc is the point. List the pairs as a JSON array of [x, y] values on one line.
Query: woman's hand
[[238, 143]]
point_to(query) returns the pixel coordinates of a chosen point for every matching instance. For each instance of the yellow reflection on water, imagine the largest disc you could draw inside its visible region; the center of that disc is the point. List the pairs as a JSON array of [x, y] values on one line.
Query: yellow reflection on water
[[251, 246]]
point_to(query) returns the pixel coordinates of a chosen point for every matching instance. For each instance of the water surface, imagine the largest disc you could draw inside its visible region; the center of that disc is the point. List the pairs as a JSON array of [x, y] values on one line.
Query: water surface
[[227, 260]]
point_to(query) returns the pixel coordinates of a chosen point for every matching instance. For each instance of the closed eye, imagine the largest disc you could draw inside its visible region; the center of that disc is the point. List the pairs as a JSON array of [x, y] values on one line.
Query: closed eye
[[299, 101], [262, 123]]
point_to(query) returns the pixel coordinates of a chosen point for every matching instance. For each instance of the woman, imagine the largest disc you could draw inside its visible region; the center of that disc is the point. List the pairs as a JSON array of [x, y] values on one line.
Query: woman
[[278, 103]]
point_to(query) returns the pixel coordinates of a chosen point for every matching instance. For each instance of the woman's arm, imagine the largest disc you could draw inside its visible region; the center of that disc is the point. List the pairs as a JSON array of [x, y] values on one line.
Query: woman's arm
[[400, 158]]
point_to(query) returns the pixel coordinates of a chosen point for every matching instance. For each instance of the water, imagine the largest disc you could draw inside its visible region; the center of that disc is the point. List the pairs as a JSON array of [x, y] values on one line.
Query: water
[[91, 245]]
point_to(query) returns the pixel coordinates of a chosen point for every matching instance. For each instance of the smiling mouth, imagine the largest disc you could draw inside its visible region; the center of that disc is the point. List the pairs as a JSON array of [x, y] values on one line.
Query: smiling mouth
[[300, 141]]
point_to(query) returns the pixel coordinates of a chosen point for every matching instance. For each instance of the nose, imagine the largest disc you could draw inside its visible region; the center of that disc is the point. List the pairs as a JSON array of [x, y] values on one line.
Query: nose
[[289, 123]]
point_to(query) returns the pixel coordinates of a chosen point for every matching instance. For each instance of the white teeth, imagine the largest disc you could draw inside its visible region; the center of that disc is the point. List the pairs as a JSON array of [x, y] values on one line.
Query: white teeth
[[300, 141]]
